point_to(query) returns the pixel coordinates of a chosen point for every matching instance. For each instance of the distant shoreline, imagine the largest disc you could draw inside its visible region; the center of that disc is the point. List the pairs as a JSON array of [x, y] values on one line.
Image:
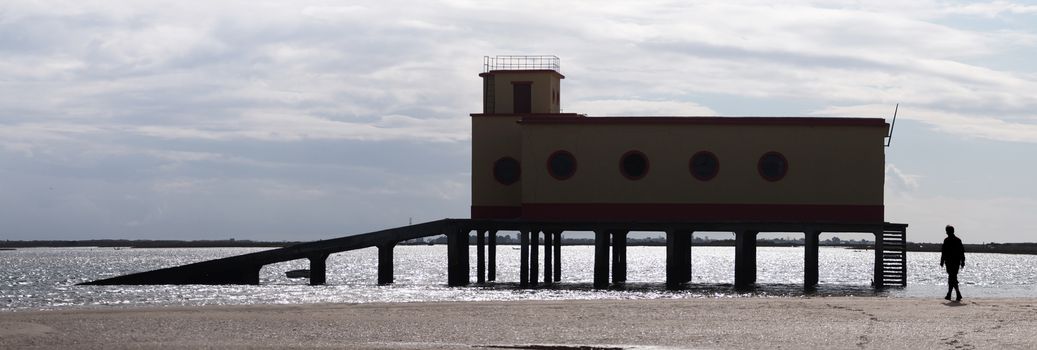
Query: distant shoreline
[[1000, 248]]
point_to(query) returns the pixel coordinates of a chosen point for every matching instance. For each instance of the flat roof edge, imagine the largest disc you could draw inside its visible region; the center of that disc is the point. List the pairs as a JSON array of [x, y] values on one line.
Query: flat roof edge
[[513, 71], [530, 115], [671, 120]]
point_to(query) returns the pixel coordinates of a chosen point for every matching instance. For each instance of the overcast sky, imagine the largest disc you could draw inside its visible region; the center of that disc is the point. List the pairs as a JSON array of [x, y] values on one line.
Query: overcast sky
[[299, 120]]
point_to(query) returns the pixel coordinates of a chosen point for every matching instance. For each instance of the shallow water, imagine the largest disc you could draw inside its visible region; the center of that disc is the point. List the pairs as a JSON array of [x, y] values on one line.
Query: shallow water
[[45, 278]]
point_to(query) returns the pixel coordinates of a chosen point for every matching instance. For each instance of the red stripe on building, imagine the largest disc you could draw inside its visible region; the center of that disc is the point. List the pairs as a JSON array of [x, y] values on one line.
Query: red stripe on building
[[702, 212], [495, 212]]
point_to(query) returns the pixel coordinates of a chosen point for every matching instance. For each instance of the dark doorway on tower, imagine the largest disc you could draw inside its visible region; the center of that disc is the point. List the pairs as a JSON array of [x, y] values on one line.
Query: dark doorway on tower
[[522, 95]]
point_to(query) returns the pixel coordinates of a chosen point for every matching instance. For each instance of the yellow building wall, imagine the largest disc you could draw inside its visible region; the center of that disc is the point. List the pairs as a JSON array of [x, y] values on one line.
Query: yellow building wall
[[497, 134], [835, 166], [494, 137], [545, 85], [827, 165]]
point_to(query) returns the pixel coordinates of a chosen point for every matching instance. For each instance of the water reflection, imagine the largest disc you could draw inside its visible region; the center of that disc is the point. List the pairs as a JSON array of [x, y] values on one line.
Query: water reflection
[[46, 278], [700, 290]]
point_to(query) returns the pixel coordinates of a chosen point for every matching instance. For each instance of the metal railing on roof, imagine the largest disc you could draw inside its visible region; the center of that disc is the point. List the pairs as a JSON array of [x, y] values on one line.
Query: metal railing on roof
[[513, 62]]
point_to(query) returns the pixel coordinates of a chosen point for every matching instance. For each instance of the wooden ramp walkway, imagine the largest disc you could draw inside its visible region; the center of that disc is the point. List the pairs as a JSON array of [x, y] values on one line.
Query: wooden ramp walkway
[[244, 269]]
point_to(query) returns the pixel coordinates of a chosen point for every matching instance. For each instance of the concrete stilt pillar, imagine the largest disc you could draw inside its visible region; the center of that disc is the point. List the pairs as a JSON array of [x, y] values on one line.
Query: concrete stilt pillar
[[548, 268], [619, 257], [745, 258], [524, 258], [385, 263], [558, 256], [480, 256], [678, 258], [879, 269], [491, 270], [457, 258], [318, 269], [534, 258], [601, 259], [672, 281], [685, 256], [810, 258]]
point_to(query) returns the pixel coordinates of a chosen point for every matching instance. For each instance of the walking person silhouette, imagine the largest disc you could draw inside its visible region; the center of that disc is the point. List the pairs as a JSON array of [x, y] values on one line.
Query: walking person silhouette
[[953, 254]]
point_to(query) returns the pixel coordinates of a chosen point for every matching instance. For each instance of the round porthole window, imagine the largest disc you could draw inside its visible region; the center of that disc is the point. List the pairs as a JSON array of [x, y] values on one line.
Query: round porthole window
[[507, 170], [633, 165], [773, 166], [561, 165], [704, 165]]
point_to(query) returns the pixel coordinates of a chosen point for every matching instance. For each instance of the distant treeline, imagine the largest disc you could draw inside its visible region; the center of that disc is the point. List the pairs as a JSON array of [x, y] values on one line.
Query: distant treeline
[[229, 243], [1003, 248], [653, 241]]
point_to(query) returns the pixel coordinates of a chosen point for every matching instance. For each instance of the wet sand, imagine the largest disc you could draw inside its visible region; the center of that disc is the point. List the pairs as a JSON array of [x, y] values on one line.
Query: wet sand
[[724, 323]]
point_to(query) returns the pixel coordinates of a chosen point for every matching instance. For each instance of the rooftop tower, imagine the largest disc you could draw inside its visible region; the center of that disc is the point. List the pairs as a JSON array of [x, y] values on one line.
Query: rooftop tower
[[514, 88]]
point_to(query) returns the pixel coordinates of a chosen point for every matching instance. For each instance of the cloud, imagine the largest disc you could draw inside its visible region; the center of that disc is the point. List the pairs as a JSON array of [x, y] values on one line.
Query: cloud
[[639, 108], [996, 219], [900, 181], [278, 127], [192, 71], [1020, 128], [365, 106], [992, 9]]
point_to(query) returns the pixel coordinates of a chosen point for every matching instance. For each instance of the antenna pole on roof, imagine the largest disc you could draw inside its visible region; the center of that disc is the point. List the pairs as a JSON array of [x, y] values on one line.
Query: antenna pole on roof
[[892, 125]]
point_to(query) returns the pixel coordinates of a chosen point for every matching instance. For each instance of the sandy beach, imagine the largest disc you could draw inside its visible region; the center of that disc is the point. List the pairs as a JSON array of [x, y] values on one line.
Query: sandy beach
[[723, 323]]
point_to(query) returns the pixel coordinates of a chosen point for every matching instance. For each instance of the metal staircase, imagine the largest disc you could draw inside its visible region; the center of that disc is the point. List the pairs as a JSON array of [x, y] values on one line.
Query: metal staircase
[[891, 259]]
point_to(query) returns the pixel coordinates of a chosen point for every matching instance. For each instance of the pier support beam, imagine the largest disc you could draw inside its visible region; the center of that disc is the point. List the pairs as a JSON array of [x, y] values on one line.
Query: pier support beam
[[878, 281], [678, 258], [548, 250], [684, 255], [671, 260], [619, 257], [491, 270], [810, 262], [385, 263], [558, 256], [601, 260], [745, 259], [318, 269], [480, 256], [524, 258], [534, 258], [457, 257]]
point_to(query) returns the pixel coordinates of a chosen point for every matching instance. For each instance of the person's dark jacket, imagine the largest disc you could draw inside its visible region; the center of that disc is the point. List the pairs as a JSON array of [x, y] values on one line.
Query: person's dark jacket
[[952, 252]]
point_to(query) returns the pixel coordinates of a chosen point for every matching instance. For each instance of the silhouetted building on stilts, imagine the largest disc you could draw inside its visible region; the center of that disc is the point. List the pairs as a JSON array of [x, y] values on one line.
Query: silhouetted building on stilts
[[541, 172]]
